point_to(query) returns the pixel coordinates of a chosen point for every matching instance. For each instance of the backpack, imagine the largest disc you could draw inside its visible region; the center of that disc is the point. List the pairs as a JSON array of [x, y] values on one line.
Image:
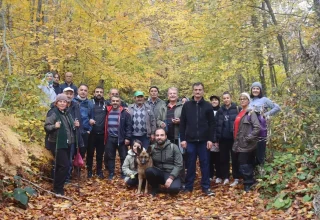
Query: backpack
[[263, 125]]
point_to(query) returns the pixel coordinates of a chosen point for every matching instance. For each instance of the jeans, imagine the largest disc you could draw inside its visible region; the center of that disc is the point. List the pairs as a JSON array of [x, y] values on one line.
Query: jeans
[[144, 140], [111, 147], [261, 152], [156, 177], [194, 150], [96, 142], [225, 147]]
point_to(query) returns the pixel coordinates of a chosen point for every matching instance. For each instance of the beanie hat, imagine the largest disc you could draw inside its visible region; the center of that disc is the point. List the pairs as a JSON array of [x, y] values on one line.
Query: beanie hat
[[61, 97], [215, 97], [256, 84], [246, 95]]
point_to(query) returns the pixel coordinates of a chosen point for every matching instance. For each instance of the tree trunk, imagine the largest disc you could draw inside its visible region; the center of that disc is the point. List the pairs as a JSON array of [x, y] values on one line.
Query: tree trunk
[[259, 53], [316, 6], [38, 19], [283, 50]]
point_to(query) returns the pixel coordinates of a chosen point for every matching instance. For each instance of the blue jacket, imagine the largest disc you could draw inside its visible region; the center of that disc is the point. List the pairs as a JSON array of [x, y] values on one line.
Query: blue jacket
[[87, 113]]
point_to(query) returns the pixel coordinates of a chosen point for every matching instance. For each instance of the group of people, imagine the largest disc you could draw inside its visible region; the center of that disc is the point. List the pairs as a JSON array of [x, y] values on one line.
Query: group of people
[[178, 131]]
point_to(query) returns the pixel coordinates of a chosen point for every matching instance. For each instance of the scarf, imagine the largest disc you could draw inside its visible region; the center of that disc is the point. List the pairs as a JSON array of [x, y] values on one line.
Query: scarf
[[62, 132]]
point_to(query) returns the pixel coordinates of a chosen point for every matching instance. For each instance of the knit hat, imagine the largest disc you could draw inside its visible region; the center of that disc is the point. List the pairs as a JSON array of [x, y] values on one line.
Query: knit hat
[[246, 95], [215, 97], [256, 84], [61, 97]]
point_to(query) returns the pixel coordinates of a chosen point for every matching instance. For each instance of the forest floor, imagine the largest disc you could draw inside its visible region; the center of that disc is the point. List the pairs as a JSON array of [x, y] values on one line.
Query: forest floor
[[105, 199]]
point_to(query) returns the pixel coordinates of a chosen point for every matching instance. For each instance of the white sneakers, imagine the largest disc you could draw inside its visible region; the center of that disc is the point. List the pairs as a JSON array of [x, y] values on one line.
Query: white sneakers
[[226, 182], [218, 180], [236, 182]]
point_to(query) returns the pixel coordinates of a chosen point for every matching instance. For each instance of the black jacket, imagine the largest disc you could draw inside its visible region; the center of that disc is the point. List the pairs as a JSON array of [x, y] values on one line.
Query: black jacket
[[197, 121], [225, 120], [57, 88], [100, 112], [125, 125]]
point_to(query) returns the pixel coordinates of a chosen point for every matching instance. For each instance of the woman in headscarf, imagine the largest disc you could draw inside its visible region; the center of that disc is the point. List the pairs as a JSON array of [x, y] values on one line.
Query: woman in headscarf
[[47, 87]]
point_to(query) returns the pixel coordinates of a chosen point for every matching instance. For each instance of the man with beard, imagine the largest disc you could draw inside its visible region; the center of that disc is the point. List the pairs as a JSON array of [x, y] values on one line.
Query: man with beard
[[167, 164], [96, 137], [118, 129]]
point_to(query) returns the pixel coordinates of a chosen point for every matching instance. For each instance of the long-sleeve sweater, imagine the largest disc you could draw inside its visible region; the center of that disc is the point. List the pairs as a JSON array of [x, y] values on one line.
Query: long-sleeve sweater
[[263, 104]]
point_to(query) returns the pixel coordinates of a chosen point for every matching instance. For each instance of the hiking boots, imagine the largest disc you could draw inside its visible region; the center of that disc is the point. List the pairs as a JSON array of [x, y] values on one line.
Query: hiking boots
[[89, 174], [111, 175], [100, 174], [208, 192]]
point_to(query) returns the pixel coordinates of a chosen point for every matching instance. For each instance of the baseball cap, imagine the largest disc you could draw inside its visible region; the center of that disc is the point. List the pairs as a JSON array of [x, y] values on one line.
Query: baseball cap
[[138, 93], [68, 89]]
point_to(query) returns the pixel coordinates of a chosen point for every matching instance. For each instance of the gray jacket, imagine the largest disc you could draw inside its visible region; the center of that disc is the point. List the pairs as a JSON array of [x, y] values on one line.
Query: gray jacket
[[167, 158], [149, 118], [248, 133], [157, 106], [128, 167], [162, 116]]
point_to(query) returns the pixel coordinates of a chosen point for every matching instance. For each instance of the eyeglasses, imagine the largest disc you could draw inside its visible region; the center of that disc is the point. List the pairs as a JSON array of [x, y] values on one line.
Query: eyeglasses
[[243, 99]]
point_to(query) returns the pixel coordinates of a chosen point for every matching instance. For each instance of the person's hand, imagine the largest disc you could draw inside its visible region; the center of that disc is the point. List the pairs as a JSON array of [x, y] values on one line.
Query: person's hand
[[209, 145], [127, 109], [163, 125], [183, 144], [132, 176], [88, 132], [152, 137], [176, 120], [92, 122], [168, 183], [57, 124], [76, 123], [126, 142]]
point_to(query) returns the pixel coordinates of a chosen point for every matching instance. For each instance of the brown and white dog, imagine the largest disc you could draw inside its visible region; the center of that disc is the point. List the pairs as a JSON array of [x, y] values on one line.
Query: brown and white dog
[[144, 160]]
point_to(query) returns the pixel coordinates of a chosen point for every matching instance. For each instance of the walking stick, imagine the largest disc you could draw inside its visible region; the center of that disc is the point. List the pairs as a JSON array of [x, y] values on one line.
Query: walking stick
[[78, 167]]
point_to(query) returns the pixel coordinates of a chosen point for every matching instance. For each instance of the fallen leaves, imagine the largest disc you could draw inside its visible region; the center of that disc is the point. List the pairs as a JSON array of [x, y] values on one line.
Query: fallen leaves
[[103, 199]]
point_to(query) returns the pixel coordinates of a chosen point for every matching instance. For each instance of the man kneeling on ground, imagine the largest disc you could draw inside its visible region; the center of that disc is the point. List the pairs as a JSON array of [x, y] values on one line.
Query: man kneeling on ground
[[167, 164]]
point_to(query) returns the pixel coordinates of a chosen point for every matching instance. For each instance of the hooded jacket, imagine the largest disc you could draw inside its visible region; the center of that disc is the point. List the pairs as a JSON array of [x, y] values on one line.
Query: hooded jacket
[[197, 121], [125, 125], [224, 128], [248, 133], [128, 167], [167, 158]]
